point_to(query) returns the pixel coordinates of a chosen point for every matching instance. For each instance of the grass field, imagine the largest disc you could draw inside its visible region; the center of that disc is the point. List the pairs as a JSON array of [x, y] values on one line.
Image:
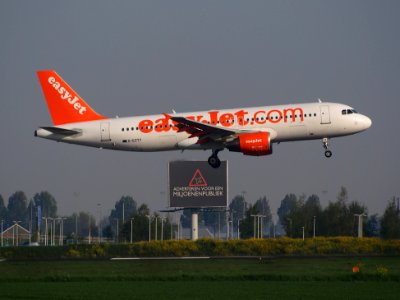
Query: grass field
[[280, 278]]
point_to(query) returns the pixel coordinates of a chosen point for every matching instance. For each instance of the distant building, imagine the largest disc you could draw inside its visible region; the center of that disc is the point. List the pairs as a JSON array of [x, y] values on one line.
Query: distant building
[[15, 235]]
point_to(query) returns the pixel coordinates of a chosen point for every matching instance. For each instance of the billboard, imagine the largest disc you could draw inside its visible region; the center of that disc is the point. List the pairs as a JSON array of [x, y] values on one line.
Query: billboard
[[195, 184]]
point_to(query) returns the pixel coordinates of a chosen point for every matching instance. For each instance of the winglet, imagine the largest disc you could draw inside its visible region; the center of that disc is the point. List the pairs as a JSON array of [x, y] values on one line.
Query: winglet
[[65, 105]]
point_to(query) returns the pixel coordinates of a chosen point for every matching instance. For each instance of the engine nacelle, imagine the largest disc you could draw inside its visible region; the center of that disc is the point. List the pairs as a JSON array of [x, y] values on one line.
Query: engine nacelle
[[255, 144]]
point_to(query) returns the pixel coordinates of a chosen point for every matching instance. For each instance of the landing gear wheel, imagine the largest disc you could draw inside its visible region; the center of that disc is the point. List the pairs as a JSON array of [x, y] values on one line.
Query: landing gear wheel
[[214, 161], [325, 143]]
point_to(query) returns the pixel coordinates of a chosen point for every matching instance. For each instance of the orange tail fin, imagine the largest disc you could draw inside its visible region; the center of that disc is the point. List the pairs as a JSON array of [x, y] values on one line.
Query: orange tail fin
[[65, 105]]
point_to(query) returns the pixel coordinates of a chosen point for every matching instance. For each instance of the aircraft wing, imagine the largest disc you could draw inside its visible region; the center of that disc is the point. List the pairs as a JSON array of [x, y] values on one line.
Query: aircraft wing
[[205, 132], [199, 128]]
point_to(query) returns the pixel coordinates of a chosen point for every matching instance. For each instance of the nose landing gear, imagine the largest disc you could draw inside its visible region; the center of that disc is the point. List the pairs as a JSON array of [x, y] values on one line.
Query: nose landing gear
[[213, 160], [325, 142]]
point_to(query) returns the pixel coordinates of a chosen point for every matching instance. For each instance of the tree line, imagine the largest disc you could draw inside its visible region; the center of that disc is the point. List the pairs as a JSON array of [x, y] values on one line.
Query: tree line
[[296, 216], [42, 209]]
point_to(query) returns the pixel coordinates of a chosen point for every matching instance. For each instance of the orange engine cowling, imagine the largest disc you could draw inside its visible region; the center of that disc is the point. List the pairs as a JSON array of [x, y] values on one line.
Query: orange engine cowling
[[255, 144]]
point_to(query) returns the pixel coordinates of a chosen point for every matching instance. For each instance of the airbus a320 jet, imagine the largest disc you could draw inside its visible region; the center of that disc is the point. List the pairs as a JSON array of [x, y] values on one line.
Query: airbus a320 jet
[[251, 130]]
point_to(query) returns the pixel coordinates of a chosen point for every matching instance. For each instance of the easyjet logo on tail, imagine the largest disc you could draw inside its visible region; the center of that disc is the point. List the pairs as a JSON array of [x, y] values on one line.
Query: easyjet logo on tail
[[67, 96], [64, 104]]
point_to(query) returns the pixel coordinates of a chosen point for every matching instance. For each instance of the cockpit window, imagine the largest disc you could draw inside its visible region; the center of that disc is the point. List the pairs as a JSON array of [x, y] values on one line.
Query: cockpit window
[[349, 111]]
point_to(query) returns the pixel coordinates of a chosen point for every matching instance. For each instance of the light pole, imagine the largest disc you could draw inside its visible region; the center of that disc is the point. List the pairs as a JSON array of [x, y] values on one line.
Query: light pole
[[227, 216], [219, 224], [171, 229], [123, 212], [156, 236], [99, 205], [258, 225], [54, 231], [117, 234], [62, 231], [31, 223], [45, 231], [274, 229], [314, 227], [149, 217], [2, 228], [303, 232], [76, 228], [254, 229], [229, 229], [131, 228], [360, 224], [90, 232], [244, 204], [238, 230], [51, 231], [162, 228], [180, 230]]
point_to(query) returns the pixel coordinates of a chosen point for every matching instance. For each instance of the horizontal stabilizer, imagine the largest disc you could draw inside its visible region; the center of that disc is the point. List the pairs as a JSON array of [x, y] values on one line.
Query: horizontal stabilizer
[[61, 131]]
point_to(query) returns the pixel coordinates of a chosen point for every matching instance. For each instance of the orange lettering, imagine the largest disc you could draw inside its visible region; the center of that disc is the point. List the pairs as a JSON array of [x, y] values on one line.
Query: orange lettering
[[226, 120], [241, 117], [213, 117], [146, 126], [162, 124], [258, 119], [276, 120], [293, 113]]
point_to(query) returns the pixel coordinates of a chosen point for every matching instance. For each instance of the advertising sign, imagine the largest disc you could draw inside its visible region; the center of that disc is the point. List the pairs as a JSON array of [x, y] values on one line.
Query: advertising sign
[[195, 184]]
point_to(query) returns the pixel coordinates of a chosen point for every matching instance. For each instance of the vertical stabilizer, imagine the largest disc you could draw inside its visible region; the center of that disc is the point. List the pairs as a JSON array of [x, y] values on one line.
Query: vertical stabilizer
[[65, 105]]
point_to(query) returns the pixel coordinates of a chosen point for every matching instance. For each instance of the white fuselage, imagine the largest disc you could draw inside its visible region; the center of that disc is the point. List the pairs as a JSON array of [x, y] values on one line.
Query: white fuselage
[[157, 132]]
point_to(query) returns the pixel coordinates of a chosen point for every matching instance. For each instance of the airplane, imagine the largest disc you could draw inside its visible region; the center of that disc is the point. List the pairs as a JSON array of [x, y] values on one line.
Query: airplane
[[251, 131]]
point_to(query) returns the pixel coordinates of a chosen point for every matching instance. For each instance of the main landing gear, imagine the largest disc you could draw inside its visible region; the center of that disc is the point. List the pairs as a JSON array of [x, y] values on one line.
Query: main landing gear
[[325, 142], [213, 160]]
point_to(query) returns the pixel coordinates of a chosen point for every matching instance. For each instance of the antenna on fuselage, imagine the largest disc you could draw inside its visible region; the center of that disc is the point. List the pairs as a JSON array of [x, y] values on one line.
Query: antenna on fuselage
[[319, 100], [174, 111]]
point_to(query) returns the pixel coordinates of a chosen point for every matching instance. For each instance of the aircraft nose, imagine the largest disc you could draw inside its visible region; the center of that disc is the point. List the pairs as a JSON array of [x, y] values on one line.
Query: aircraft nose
[[367, 122]]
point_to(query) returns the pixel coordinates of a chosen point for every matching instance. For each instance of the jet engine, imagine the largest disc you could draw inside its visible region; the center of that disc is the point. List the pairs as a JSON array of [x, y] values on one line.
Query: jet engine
[[255, 144]]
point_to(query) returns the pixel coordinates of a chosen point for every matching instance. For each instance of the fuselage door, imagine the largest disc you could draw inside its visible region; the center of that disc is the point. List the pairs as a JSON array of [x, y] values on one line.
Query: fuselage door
[[325, 116], [105, 131]]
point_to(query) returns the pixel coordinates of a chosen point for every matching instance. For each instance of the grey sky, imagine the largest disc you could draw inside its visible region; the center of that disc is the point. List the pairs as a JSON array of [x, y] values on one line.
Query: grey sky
[[141, 57]]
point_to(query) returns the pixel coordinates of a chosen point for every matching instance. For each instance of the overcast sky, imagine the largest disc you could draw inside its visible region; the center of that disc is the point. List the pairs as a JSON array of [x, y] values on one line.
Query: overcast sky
[[143, 57]]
